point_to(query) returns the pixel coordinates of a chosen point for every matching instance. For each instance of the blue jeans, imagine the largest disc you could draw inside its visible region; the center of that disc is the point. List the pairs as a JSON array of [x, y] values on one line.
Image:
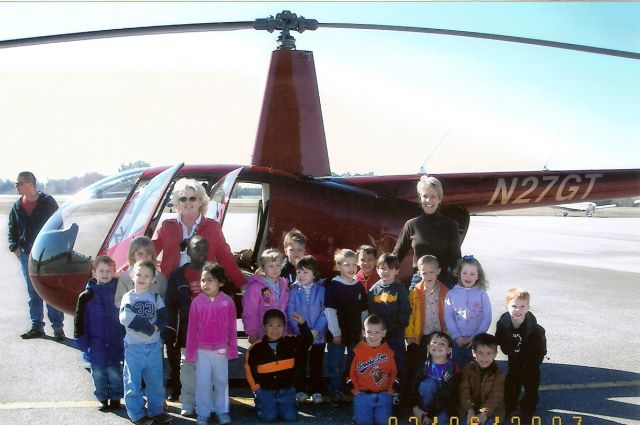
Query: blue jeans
[[337, 364], [273, 403], [36, 309], [107, 381], [369, 409], [428, 390], [397, 345], [461, 355], [143, 361]]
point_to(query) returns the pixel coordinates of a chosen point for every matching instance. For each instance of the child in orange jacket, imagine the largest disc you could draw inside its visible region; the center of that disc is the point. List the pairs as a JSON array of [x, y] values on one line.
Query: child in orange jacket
[[373, 373]]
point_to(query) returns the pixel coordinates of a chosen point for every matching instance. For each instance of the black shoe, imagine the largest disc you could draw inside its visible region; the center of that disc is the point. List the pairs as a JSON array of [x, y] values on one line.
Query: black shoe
[[145, 420], [59, 335], [32, 333], [162, 418], [114, 404], [337, 399], [103, 405]]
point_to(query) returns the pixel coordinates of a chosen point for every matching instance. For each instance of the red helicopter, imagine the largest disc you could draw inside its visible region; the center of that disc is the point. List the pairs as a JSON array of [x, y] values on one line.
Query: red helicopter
[[289, 182]]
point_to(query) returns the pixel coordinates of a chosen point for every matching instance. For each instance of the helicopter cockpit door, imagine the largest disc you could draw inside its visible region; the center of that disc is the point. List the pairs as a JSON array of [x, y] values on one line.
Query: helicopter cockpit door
[[141, 209], [220, 195]]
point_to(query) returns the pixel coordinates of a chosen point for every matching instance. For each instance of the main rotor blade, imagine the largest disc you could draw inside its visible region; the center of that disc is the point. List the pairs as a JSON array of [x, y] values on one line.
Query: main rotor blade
[[127, 32], [512, 39]]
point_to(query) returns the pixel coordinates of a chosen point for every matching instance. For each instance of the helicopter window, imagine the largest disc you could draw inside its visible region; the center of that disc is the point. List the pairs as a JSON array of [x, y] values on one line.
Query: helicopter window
[[80, 225], [240, 223]]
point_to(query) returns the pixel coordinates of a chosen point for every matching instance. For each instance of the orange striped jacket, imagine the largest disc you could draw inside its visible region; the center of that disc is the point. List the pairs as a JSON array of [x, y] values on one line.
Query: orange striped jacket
[[271, 370]]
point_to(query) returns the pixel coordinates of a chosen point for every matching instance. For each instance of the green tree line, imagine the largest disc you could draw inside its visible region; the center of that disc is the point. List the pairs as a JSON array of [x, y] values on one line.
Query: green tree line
[[67, 186]]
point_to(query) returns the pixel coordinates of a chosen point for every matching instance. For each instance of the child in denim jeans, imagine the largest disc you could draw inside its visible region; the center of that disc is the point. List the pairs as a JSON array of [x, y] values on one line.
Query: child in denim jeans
[[270, 367], [143, 315], [100, 335], [307, 298], [433, 387], [373, 372], [345, 309]]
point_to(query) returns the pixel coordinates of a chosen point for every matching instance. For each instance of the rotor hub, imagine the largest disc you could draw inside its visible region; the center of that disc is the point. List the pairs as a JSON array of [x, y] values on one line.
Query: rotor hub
[[285, 22]]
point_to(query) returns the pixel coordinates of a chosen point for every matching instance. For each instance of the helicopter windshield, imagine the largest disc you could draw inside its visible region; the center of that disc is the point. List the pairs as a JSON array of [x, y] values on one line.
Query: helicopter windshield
[[75, 232], [138, 213]]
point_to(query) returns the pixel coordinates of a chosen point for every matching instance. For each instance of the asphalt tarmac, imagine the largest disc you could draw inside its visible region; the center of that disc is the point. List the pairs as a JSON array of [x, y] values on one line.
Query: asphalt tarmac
[[583, 274]]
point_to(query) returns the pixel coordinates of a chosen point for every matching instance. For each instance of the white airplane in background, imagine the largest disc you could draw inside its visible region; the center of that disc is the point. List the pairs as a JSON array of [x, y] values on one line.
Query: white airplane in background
[[588, 207]]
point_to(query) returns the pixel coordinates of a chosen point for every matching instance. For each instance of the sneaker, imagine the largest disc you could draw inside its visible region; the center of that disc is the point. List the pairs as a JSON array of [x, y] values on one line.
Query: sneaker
[[187, 413], [114, 404], [224, 419], [162, 418], [103, 405], [59, 335], [317, 398], [145, 420], [301, 396], [337, 399], [32, 333]]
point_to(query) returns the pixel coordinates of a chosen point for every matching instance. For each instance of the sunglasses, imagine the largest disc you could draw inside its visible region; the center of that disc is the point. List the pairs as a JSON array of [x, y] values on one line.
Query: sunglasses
[[190, 198]]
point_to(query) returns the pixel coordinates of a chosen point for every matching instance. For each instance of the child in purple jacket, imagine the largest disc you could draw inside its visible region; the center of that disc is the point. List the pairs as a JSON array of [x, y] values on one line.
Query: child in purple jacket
[[211, 342], [307, 298], [467, 309]]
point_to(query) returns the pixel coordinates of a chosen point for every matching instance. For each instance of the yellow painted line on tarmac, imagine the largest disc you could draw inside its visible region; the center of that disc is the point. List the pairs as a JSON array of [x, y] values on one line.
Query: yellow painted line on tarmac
[[248, 401], [591, 385], [48, 405], [22, 405]]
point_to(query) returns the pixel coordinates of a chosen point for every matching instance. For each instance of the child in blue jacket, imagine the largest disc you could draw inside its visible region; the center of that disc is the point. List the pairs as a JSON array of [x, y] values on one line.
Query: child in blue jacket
[[99, 333], [307, 298]]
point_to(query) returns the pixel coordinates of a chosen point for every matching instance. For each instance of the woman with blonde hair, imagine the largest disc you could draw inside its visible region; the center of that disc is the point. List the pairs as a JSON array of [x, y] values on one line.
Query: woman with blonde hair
[[191, 201], [431, 233]]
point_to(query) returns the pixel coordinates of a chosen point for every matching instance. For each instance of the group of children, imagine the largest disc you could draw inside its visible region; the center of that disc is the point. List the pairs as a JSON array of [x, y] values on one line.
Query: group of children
[[427, 347], [122, 323]]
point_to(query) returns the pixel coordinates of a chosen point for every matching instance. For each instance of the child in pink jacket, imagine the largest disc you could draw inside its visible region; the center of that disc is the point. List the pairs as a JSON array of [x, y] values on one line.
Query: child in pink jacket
[[211, 342], [265, 290]]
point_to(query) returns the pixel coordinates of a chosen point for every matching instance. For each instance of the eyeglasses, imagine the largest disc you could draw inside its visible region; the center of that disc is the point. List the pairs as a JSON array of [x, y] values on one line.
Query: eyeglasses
[[190, 198]]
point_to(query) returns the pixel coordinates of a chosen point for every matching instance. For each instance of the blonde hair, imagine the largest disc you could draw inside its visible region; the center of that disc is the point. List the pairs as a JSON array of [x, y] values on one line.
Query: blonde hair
[[429, 259], [141, 242], [342, 254], [429, 181], [270, 255], [181, 187], [517, 293]]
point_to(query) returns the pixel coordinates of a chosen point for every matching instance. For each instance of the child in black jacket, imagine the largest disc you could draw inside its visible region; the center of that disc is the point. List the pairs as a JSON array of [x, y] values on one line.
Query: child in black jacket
[[270, 367], [523, 340]]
